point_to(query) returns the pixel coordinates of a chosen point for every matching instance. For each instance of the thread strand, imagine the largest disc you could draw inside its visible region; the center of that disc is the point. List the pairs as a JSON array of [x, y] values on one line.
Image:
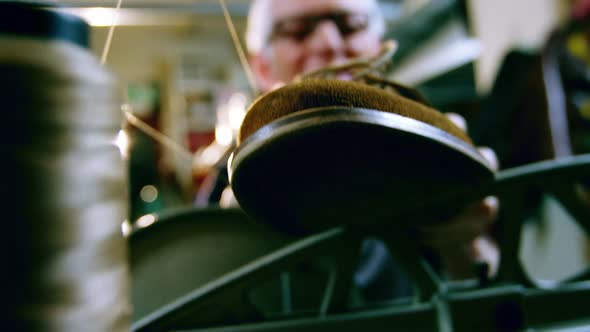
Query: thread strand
[[239, 48], [157, 136], [107, 45]]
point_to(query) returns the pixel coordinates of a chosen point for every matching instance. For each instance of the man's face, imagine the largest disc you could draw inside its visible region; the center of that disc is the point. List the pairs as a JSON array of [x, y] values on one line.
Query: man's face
[[310, 34]]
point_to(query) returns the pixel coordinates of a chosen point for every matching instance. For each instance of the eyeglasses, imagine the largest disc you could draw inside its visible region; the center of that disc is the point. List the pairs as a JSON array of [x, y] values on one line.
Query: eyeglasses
[[300, 27]]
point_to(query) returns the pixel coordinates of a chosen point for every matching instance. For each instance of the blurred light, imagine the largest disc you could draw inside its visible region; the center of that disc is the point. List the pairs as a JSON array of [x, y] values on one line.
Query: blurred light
[[228, 198], [126, 227], [98, 16], [236, 110], [122, 142], [223, 135], [145, 221], [238, 98], [148, 193], [144, 16]]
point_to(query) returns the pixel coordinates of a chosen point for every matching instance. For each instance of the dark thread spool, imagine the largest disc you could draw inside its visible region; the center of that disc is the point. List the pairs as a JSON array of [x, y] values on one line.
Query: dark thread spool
[[67, 257]]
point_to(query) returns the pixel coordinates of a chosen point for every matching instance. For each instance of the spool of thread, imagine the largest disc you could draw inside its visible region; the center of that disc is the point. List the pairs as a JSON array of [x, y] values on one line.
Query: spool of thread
[[67, 265]]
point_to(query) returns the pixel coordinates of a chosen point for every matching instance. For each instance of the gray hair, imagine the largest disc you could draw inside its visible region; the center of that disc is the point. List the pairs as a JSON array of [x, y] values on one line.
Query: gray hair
[[259, 26]]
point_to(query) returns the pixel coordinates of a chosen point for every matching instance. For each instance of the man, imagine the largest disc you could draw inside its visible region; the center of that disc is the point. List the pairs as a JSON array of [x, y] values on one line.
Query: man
[[286, 38]]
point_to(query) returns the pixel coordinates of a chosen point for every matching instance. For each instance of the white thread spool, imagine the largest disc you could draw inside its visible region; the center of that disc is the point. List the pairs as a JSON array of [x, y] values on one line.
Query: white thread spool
[[68, 265]]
